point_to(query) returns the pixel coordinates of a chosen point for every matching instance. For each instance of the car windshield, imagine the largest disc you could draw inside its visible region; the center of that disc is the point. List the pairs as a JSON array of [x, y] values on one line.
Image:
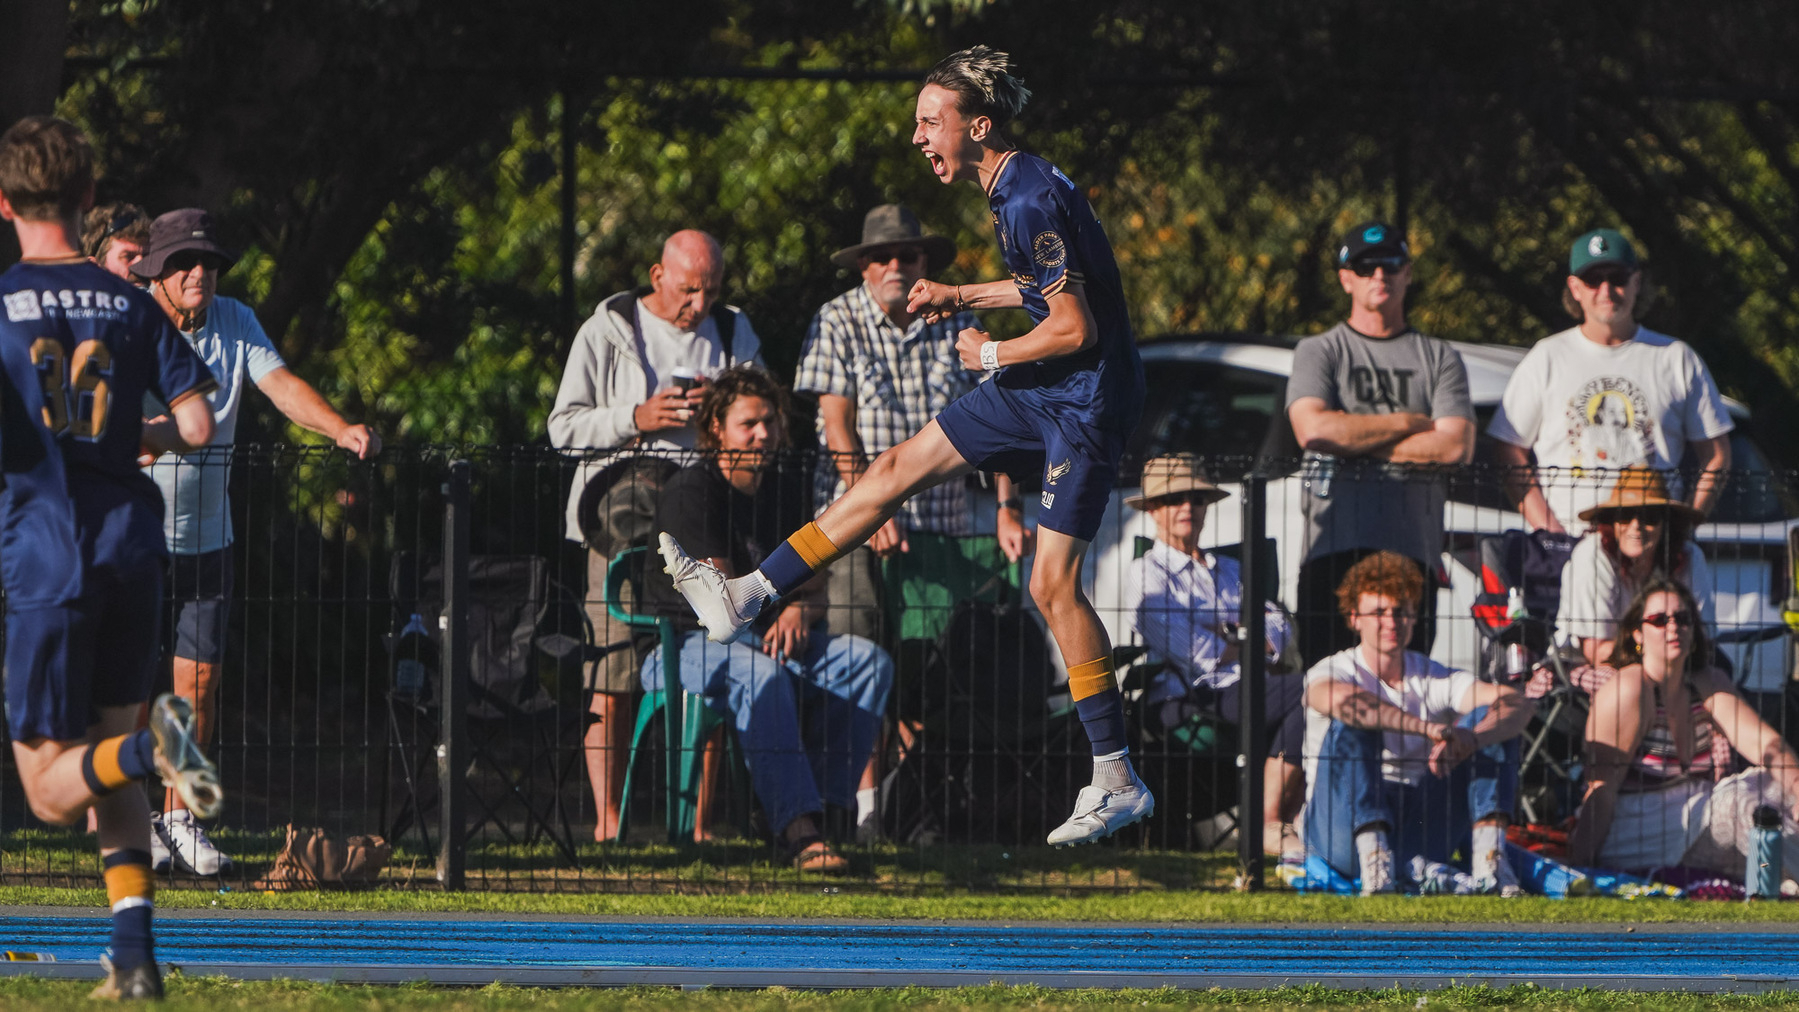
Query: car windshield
[[1219, 412]]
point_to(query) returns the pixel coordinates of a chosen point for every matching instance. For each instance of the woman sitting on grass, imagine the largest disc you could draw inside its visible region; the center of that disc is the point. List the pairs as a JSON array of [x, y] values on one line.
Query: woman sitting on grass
[[1657, 795]]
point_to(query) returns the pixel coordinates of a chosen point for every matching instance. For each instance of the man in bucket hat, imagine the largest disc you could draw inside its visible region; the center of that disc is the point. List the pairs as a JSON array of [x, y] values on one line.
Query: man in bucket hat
[[182, 264], [881, 373], [1185, 602]]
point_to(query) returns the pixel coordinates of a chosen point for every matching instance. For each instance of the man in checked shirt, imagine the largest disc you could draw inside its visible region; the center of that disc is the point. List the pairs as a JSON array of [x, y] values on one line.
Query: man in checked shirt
[[881, 374]]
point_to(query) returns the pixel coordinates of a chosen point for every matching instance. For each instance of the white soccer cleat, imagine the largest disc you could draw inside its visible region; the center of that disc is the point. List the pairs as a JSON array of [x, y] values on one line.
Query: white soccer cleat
[[1099, 813], [178, 757], [707, 592]]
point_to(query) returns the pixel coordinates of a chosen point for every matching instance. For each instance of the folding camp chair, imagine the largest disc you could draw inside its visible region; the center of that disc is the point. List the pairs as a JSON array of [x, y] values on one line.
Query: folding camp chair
[[1514, 648], [524, 745]]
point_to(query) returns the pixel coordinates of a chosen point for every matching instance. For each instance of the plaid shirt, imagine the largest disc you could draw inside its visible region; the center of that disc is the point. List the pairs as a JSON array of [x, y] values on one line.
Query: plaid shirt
[[898, 383]]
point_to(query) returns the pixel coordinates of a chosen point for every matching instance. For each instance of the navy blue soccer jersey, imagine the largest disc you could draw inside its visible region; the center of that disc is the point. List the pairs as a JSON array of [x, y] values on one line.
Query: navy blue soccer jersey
[[80, 348], [1050, 238]]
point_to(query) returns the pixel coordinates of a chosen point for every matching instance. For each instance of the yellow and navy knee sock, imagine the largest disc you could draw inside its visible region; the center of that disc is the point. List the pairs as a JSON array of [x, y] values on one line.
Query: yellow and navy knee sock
[[115, 762], [793, 563], [131, 889], [1100, 705]]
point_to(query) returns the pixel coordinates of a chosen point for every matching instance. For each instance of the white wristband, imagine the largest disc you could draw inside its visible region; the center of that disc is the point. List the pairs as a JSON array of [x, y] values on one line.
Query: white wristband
[[990, 356]]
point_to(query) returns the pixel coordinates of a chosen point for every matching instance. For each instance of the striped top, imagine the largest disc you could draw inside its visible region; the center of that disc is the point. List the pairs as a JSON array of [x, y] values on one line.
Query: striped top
[[1657, 763]]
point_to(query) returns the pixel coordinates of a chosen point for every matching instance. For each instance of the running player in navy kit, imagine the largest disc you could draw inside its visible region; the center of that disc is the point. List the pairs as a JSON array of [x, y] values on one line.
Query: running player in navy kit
[[81, 546], [1064, 399]]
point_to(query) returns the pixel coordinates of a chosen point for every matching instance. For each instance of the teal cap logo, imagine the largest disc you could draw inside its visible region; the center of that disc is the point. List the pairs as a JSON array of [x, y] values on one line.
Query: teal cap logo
[[1374, 234]]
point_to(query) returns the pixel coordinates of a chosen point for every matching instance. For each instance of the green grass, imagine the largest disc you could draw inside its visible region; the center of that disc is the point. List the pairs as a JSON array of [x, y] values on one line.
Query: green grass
[[1173, 907], [739, 879], [214, 993]]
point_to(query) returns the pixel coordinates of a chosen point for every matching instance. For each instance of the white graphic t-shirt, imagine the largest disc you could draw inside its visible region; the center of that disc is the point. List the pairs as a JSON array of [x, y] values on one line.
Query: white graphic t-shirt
[[1587, 411]]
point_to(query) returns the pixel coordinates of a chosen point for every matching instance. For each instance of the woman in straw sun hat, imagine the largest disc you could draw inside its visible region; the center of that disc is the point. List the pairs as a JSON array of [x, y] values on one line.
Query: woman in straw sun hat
[[1186, 602], [1637, 531]]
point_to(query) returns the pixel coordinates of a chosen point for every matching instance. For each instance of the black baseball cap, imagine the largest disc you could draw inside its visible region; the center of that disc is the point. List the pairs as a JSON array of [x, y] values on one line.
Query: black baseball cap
[[186, 229], [1371, 238]]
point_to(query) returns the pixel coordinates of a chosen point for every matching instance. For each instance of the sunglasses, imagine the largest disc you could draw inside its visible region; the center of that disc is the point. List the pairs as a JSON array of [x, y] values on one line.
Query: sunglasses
[[1681, 619], [905, 255], [120, 222], [1198, 499], [187, 260], [1617, 277], [1644, 518], [1364, 267]]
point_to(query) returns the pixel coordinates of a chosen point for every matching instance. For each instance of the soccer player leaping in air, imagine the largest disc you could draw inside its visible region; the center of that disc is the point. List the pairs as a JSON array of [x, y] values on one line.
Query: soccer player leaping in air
[[1065, 398]]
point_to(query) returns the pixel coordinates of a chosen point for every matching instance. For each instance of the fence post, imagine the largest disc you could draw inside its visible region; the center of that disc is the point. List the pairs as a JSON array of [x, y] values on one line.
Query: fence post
[[1252, 634], [452, 747]]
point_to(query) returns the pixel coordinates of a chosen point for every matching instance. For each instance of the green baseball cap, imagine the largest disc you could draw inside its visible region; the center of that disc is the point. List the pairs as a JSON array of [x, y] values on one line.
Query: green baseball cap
[[1601, 246]]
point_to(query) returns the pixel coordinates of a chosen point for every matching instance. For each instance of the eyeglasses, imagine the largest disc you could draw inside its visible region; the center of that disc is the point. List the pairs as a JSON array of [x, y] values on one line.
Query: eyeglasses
[[1396, 612], [1617, 277], [1364, 267], [187, 260], [1681, 619]]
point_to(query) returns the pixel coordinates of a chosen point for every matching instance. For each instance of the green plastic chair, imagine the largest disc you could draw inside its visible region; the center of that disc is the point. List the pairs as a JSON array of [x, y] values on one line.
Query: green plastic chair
[[687, 720]]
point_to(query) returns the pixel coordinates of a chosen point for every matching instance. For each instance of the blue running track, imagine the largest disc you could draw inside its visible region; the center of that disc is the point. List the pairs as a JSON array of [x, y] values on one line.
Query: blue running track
[[566, 952]]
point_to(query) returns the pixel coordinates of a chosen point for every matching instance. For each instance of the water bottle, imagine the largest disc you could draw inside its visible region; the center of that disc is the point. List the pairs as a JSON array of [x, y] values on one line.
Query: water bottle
[[1517, 657], [1762, 878], [411, 654]]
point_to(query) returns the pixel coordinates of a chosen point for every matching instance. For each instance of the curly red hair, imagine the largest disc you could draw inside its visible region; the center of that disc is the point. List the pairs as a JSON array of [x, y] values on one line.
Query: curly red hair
[[1387, 573]]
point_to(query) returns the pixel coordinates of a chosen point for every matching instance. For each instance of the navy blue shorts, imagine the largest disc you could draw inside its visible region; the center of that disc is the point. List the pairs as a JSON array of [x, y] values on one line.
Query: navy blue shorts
[[1021, 430], [63, 664], [199, 596]]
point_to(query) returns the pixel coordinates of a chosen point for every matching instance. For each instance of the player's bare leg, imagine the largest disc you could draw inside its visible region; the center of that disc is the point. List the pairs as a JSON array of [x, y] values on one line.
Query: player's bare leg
[[63, 780], [1116, 798], [727, 607]]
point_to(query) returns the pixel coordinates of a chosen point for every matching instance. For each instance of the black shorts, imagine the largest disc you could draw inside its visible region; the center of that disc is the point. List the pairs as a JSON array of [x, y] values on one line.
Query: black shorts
[[199, 594]]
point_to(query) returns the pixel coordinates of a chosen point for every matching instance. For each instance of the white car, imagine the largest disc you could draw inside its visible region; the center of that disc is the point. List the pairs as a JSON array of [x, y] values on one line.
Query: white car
[[1225, 397]]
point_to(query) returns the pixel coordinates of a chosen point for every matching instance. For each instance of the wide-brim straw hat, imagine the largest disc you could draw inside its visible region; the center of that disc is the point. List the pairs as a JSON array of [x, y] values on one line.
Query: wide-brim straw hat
[[1175, 474], [891, 225], [1639, 487]]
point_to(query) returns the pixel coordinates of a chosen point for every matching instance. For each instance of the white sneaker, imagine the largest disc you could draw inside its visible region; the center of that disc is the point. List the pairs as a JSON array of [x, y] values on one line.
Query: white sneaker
[[159, 845], [707, 592], [189, 842], [1099, 813]]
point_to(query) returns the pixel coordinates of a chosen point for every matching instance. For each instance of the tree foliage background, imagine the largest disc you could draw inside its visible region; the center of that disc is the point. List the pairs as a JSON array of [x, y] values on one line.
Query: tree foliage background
[[395, 168]]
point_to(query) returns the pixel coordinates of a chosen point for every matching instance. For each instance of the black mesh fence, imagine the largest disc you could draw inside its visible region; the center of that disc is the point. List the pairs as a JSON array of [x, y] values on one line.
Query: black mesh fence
[[451, 650]]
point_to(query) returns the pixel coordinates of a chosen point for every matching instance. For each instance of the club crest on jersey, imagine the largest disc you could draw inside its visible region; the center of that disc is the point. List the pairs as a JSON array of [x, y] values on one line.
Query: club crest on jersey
[[22, 306], [1048, 250], [1056, 471]]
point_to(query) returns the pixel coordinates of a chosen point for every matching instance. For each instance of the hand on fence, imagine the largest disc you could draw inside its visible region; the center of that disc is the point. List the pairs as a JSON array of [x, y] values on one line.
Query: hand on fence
[[361, 440]]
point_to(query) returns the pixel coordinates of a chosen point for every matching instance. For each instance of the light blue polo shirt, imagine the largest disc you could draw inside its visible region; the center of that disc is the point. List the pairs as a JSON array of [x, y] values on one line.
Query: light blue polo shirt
[[197, 514]]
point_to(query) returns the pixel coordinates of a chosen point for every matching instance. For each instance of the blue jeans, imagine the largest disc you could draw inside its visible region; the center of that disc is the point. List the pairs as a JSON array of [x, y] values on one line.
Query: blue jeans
[[1434, 818], [806, 728]]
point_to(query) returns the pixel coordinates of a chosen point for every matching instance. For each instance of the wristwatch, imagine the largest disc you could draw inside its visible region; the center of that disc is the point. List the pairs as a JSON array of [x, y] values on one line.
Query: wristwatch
[[1013, 503]]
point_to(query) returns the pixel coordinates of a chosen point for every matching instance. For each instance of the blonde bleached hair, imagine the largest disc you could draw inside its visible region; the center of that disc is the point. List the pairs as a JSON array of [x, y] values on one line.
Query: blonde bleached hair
[[979, 77]]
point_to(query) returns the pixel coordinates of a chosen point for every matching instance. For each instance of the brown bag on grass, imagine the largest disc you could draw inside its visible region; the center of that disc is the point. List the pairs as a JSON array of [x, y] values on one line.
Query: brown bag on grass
[[314, 859]]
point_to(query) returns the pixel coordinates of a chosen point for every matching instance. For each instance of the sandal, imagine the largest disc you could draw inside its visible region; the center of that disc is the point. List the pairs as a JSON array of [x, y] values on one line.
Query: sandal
[[812, 853]]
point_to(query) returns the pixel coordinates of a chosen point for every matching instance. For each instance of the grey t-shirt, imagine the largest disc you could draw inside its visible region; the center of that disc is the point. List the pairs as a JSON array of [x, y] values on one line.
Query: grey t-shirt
[[1363, 502]]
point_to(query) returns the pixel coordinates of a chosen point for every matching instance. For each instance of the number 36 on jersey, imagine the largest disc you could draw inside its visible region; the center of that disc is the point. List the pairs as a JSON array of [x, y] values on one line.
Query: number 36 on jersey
[[77, 391]]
